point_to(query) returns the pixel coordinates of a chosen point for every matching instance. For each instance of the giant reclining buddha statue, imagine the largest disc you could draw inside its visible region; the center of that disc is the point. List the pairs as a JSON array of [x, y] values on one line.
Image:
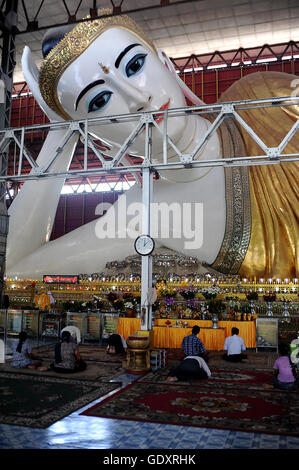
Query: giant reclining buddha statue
[[108, 66]]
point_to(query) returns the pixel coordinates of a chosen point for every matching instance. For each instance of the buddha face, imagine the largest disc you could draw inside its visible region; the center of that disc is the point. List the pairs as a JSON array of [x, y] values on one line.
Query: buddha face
[[119, 74]]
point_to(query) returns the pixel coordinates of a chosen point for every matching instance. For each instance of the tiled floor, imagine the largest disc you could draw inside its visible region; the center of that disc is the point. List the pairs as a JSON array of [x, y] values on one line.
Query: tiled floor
[[85, 432]]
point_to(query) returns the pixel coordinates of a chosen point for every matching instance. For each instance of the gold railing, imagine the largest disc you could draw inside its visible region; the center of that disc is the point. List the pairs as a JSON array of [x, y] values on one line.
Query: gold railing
[[23, 291]]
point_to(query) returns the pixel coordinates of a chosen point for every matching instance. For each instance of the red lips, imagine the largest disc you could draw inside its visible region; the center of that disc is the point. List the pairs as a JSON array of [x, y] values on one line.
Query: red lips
[[164, 106]]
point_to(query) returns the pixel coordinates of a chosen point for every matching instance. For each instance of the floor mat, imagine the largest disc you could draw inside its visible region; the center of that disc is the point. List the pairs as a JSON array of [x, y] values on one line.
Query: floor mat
[[94, 371], [35, 401], [240, 409], [220, 378]]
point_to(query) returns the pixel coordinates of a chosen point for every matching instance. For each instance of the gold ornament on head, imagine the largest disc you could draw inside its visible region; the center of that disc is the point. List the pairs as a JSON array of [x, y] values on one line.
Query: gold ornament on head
[[104, 68], [73, 45]]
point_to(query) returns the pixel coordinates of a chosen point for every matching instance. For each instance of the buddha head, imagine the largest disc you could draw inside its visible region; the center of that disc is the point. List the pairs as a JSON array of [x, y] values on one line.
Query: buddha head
[[107, 67]]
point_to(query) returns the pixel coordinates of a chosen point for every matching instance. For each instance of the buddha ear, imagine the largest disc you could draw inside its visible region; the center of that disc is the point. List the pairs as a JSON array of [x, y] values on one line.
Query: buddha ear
[[185, 89], [30, 72]]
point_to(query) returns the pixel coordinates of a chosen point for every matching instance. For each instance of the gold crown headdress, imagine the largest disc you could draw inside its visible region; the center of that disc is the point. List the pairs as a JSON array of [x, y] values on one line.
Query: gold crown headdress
[[72, 45]]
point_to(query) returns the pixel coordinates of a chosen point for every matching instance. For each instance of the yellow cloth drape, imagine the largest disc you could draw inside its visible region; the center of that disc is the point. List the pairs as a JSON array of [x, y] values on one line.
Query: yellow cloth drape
[[171, 337], [247, 331], [274, 243], [213, 339], [128, 326]]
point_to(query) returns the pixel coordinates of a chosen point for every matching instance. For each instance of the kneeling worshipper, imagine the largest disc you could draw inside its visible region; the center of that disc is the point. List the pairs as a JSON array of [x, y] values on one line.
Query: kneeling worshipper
[[116, 344], [193, 346], [67, 356], [190, 368], [234, 345]]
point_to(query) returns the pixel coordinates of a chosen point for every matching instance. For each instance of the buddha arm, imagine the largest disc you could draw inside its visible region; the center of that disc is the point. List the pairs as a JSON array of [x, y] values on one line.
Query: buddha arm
[[32, 213], [88, 248]]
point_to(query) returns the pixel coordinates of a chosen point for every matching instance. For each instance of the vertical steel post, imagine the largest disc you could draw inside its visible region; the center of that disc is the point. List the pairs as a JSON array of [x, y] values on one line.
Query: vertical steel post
[[6, 82], [146, 263]]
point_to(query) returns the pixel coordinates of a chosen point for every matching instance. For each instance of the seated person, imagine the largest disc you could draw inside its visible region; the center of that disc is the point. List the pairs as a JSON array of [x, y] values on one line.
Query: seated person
[[75, 333], [285, 373], [116, 344], [234, 345], [193, 346], [23, 357], [67, 356], [190, 368]]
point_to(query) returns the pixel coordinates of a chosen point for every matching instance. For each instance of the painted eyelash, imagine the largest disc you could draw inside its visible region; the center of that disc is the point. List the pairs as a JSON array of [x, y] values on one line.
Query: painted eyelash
[[95, 98], [133, 60]]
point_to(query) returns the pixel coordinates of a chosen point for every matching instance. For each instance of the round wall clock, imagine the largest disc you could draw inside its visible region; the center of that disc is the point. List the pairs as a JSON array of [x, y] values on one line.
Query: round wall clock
[[144, 245]]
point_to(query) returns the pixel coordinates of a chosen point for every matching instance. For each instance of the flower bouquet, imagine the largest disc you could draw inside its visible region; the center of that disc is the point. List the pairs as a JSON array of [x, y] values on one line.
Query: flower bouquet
[[269, 297], [210, 292], [252, 295], [216, 306], [99, 302], [128, 296], [155, 306], [112, 296], [188, 293], [129, 305], [118, 304], [168, 293]]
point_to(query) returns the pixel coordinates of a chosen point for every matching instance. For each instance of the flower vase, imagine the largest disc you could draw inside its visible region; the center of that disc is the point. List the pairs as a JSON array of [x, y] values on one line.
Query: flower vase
[[286, 309], [130, 313], [215, 321], [269, 309]]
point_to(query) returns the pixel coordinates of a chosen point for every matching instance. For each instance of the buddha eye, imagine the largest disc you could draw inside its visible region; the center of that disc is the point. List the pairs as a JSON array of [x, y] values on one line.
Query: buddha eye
[[135, 64], [99, 101]]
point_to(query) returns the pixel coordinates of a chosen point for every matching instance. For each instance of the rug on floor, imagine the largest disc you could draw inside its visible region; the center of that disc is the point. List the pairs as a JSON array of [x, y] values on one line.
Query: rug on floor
[[220, 378], [256, 361], [270, 412], [88, 352], [95, 371], [38, 402]]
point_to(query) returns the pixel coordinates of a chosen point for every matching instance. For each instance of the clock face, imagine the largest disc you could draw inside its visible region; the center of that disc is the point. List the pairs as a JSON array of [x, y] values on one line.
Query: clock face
[[144, 245]]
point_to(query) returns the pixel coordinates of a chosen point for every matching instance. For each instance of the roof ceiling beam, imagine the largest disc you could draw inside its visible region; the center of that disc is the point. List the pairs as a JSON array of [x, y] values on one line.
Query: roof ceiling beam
[[163, 4]]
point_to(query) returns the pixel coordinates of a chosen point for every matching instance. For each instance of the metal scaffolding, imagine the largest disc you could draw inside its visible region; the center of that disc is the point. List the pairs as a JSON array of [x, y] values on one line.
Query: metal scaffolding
[[144, 123], [8, 51]]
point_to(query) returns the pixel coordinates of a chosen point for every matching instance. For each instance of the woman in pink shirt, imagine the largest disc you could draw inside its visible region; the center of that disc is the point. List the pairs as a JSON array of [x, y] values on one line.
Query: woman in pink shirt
[[284, 371]]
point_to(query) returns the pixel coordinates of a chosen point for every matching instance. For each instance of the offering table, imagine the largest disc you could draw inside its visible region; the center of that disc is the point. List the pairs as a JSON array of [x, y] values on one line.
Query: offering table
[[171, 337]]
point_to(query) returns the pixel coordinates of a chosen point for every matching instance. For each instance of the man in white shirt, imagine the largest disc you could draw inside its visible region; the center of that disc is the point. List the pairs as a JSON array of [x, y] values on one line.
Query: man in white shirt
[[234, 345], [75, 333]]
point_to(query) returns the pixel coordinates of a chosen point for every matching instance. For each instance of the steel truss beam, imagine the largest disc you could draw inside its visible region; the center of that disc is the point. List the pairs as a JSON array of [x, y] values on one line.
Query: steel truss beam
[[116, 9], [146, 122]]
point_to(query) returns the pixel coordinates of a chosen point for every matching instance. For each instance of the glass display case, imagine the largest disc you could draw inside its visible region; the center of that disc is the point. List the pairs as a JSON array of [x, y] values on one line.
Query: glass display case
[[109, 323], [14, 322], [92, 327], [31, 322], [50, 326], [76, 319]]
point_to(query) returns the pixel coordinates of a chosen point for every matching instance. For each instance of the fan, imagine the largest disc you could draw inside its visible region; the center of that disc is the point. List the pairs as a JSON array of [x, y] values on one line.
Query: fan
[[152, 295]]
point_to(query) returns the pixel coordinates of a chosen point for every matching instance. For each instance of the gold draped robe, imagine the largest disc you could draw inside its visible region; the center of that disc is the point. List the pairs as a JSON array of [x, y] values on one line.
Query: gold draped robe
[[274, 237]]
